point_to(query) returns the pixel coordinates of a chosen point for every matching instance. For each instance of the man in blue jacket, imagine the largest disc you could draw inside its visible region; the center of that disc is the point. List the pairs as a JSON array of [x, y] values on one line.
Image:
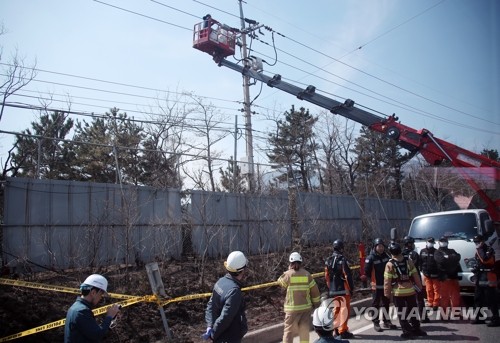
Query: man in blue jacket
[[81, 325], [225, 313]]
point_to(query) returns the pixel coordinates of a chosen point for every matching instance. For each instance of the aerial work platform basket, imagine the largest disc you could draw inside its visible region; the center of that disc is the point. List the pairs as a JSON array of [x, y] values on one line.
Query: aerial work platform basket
[[215, 39]]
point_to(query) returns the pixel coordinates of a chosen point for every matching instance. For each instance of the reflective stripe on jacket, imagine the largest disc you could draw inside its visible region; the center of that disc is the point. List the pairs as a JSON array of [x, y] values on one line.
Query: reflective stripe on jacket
[[375, 267], [302, 292], [400, 285]]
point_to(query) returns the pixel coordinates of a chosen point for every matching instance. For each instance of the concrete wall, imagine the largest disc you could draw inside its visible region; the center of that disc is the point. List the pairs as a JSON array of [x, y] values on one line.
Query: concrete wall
[[67, 224]]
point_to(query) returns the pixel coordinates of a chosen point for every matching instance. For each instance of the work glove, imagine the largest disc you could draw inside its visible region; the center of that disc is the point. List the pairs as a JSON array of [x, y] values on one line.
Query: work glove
[[208, 334]]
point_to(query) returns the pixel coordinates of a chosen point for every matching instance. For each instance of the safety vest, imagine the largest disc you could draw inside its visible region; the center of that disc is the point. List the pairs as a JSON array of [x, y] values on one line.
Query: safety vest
[[398, 277], [301, 290]]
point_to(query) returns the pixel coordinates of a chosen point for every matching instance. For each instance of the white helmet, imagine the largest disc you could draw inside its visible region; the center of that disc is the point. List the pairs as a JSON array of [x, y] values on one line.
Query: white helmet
[[295, 257], [236, 262], [95, 280], [323, 318]]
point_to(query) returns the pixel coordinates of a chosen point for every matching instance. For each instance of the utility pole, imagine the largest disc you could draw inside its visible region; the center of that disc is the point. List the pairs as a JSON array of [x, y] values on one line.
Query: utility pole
[[246, 106], [235, 164]]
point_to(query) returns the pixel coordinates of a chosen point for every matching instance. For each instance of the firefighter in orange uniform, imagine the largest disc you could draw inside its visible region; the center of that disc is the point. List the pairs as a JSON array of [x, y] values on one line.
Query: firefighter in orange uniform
[[430, 270], [448, 262], [340, 284], [302, 293], [486, 281]]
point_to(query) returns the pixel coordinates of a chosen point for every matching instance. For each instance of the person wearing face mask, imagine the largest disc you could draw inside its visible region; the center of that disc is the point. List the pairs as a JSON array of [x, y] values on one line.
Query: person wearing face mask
[[430, 271], [448, 263], [486, 281]]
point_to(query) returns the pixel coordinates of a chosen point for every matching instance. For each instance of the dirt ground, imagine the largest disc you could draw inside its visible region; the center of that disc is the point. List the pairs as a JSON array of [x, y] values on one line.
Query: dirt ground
[[25, 308]]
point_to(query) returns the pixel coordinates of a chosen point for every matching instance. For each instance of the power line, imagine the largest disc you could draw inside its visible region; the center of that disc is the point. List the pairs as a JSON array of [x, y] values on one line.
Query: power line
[[223, 99], [143, 15], [175, 9], [218, 9], [102, 116], [395, 103], [357, 69], [396, 27], [120, 147], [384, 81], [110, 82]]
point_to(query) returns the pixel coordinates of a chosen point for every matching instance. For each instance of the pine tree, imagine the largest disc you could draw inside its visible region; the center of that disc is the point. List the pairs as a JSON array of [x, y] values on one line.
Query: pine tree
[[380, 164], [292, 147], [108, 149], [48, 155], [231, 182]]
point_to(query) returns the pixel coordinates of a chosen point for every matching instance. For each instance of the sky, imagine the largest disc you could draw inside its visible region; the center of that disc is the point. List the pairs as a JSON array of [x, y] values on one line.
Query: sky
[[434, 63]]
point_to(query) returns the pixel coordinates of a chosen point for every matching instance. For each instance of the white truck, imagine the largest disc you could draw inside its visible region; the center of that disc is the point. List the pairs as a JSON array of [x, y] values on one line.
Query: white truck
[[459, 227]]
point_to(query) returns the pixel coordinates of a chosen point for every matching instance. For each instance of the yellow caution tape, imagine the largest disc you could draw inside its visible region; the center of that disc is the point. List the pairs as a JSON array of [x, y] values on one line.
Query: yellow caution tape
[[55, 288], [185, 298], [128, 300], [249, 288], [46, 287], [98, 311]]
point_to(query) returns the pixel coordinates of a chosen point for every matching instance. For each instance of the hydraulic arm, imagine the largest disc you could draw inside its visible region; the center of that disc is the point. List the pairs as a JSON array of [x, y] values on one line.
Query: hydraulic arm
[[434, 150], [470, 165]]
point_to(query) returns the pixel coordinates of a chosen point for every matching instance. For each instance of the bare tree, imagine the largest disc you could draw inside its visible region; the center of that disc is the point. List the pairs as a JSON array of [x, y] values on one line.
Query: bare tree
[[337, 140], [15, 74], [165, 140], [207, 129]]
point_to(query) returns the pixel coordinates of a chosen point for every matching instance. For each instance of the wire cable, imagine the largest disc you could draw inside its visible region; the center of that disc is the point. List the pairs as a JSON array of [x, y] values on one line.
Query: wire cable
[[143, 15]]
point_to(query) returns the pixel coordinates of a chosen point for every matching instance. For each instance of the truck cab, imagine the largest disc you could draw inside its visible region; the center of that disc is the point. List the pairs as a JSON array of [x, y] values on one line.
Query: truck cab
[[459, 227]]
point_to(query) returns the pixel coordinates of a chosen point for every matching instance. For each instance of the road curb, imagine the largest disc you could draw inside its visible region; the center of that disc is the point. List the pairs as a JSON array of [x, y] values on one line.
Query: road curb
[[274, 333]]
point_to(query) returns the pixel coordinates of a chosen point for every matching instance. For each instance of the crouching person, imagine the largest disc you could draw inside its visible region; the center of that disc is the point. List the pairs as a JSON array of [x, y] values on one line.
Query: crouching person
[[399, 279], [323, 325]]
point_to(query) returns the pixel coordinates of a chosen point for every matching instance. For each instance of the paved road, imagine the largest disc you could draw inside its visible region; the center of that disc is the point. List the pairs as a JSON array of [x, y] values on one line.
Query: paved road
[[438, 331]]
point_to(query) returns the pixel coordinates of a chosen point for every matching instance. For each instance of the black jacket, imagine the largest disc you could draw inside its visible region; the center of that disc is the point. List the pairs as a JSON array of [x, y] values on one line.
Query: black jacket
[[428, 263], [414, 257], [375, 267], [448, 263], [225, 312], [338, 275]]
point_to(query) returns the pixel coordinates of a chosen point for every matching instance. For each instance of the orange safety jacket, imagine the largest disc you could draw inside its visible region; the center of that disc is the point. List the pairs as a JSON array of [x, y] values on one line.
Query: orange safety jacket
[[403, 283], [302, 292]]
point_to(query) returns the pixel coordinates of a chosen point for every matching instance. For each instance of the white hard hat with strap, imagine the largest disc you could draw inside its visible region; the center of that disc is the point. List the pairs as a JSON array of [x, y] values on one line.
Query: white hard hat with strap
[[95, 280], [236, 262]]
